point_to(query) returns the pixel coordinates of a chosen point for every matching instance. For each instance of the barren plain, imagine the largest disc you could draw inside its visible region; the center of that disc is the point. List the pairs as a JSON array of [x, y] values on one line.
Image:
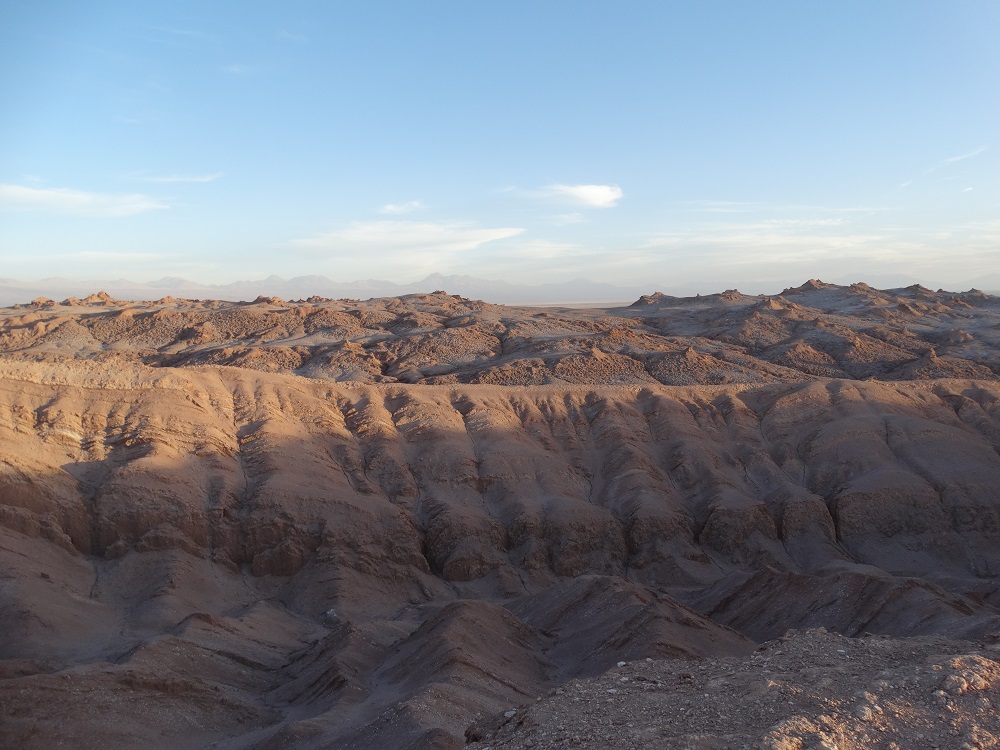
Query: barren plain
[[725, 521]]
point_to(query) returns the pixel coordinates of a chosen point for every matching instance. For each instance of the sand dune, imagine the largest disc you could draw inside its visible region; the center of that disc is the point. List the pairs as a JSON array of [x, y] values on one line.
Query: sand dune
[[201, 549]]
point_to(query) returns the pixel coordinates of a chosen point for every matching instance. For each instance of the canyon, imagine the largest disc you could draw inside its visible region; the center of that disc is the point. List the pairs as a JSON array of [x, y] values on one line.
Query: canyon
[[385, 523]]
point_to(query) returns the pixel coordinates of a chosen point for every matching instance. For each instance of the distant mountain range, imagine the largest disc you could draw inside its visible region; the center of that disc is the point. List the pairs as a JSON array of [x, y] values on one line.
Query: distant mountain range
[[576, 292]]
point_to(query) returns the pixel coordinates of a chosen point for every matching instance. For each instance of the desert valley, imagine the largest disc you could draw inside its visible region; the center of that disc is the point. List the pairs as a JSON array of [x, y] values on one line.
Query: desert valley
[[724, 521]]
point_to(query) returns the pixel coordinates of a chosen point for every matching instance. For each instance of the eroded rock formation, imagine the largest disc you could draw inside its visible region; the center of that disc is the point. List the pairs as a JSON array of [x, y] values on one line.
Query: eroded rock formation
[[217, 554]]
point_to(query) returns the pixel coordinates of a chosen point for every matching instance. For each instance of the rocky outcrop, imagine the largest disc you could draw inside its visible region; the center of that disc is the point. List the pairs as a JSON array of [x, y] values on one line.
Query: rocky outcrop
[[816, 330]]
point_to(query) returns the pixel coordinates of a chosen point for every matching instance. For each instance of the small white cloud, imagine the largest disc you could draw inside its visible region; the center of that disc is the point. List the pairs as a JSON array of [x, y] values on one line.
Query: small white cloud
[[967, 190], [19, 198], [401, 208], [170, 178], [235, 69], [592, 196]]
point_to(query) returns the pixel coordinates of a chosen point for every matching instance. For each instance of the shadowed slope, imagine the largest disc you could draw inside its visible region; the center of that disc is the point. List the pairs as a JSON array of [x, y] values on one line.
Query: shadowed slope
[[381, 564]]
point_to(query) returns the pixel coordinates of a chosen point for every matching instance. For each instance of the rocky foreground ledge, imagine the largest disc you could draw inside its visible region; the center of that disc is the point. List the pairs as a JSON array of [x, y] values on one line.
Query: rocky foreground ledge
[[807, 690]]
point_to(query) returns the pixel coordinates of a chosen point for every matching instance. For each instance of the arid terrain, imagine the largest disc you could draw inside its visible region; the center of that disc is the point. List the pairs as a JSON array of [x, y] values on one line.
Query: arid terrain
[[724, 521]]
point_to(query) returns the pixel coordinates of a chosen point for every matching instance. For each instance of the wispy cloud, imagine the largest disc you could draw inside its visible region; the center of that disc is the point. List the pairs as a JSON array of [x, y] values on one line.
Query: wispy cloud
[[290, 36], [534, 250], [721, 207], [794, 225], [174, 31], [591, 196], [404, 235], [399, 247], [236, 69], [565, 220], [961, 157], [173, 36], [401, 208], [779, 243], [749, 207], [945, 163], [766, 250], [65, 201], [777, 240], [173, 178], [116, 257], [530, 260]]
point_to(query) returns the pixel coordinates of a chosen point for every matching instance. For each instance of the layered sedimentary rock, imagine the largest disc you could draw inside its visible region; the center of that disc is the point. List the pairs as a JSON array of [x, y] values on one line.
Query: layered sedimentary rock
[[266, 560]]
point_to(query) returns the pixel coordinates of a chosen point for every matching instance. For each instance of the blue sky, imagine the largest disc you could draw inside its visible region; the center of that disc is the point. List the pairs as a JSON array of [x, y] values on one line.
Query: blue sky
[[658, 143]]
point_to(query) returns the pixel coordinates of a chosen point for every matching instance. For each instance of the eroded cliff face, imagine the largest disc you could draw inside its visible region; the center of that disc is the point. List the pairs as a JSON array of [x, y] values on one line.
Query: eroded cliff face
[[266, 560]]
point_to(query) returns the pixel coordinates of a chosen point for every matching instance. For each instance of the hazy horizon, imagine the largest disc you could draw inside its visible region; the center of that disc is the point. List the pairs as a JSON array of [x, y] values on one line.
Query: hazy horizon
[[578, 292], [649, 144]]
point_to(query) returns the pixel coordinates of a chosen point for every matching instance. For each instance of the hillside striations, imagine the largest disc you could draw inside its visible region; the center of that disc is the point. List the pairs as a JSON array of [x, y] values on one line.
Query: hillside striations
[[336, 524]]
